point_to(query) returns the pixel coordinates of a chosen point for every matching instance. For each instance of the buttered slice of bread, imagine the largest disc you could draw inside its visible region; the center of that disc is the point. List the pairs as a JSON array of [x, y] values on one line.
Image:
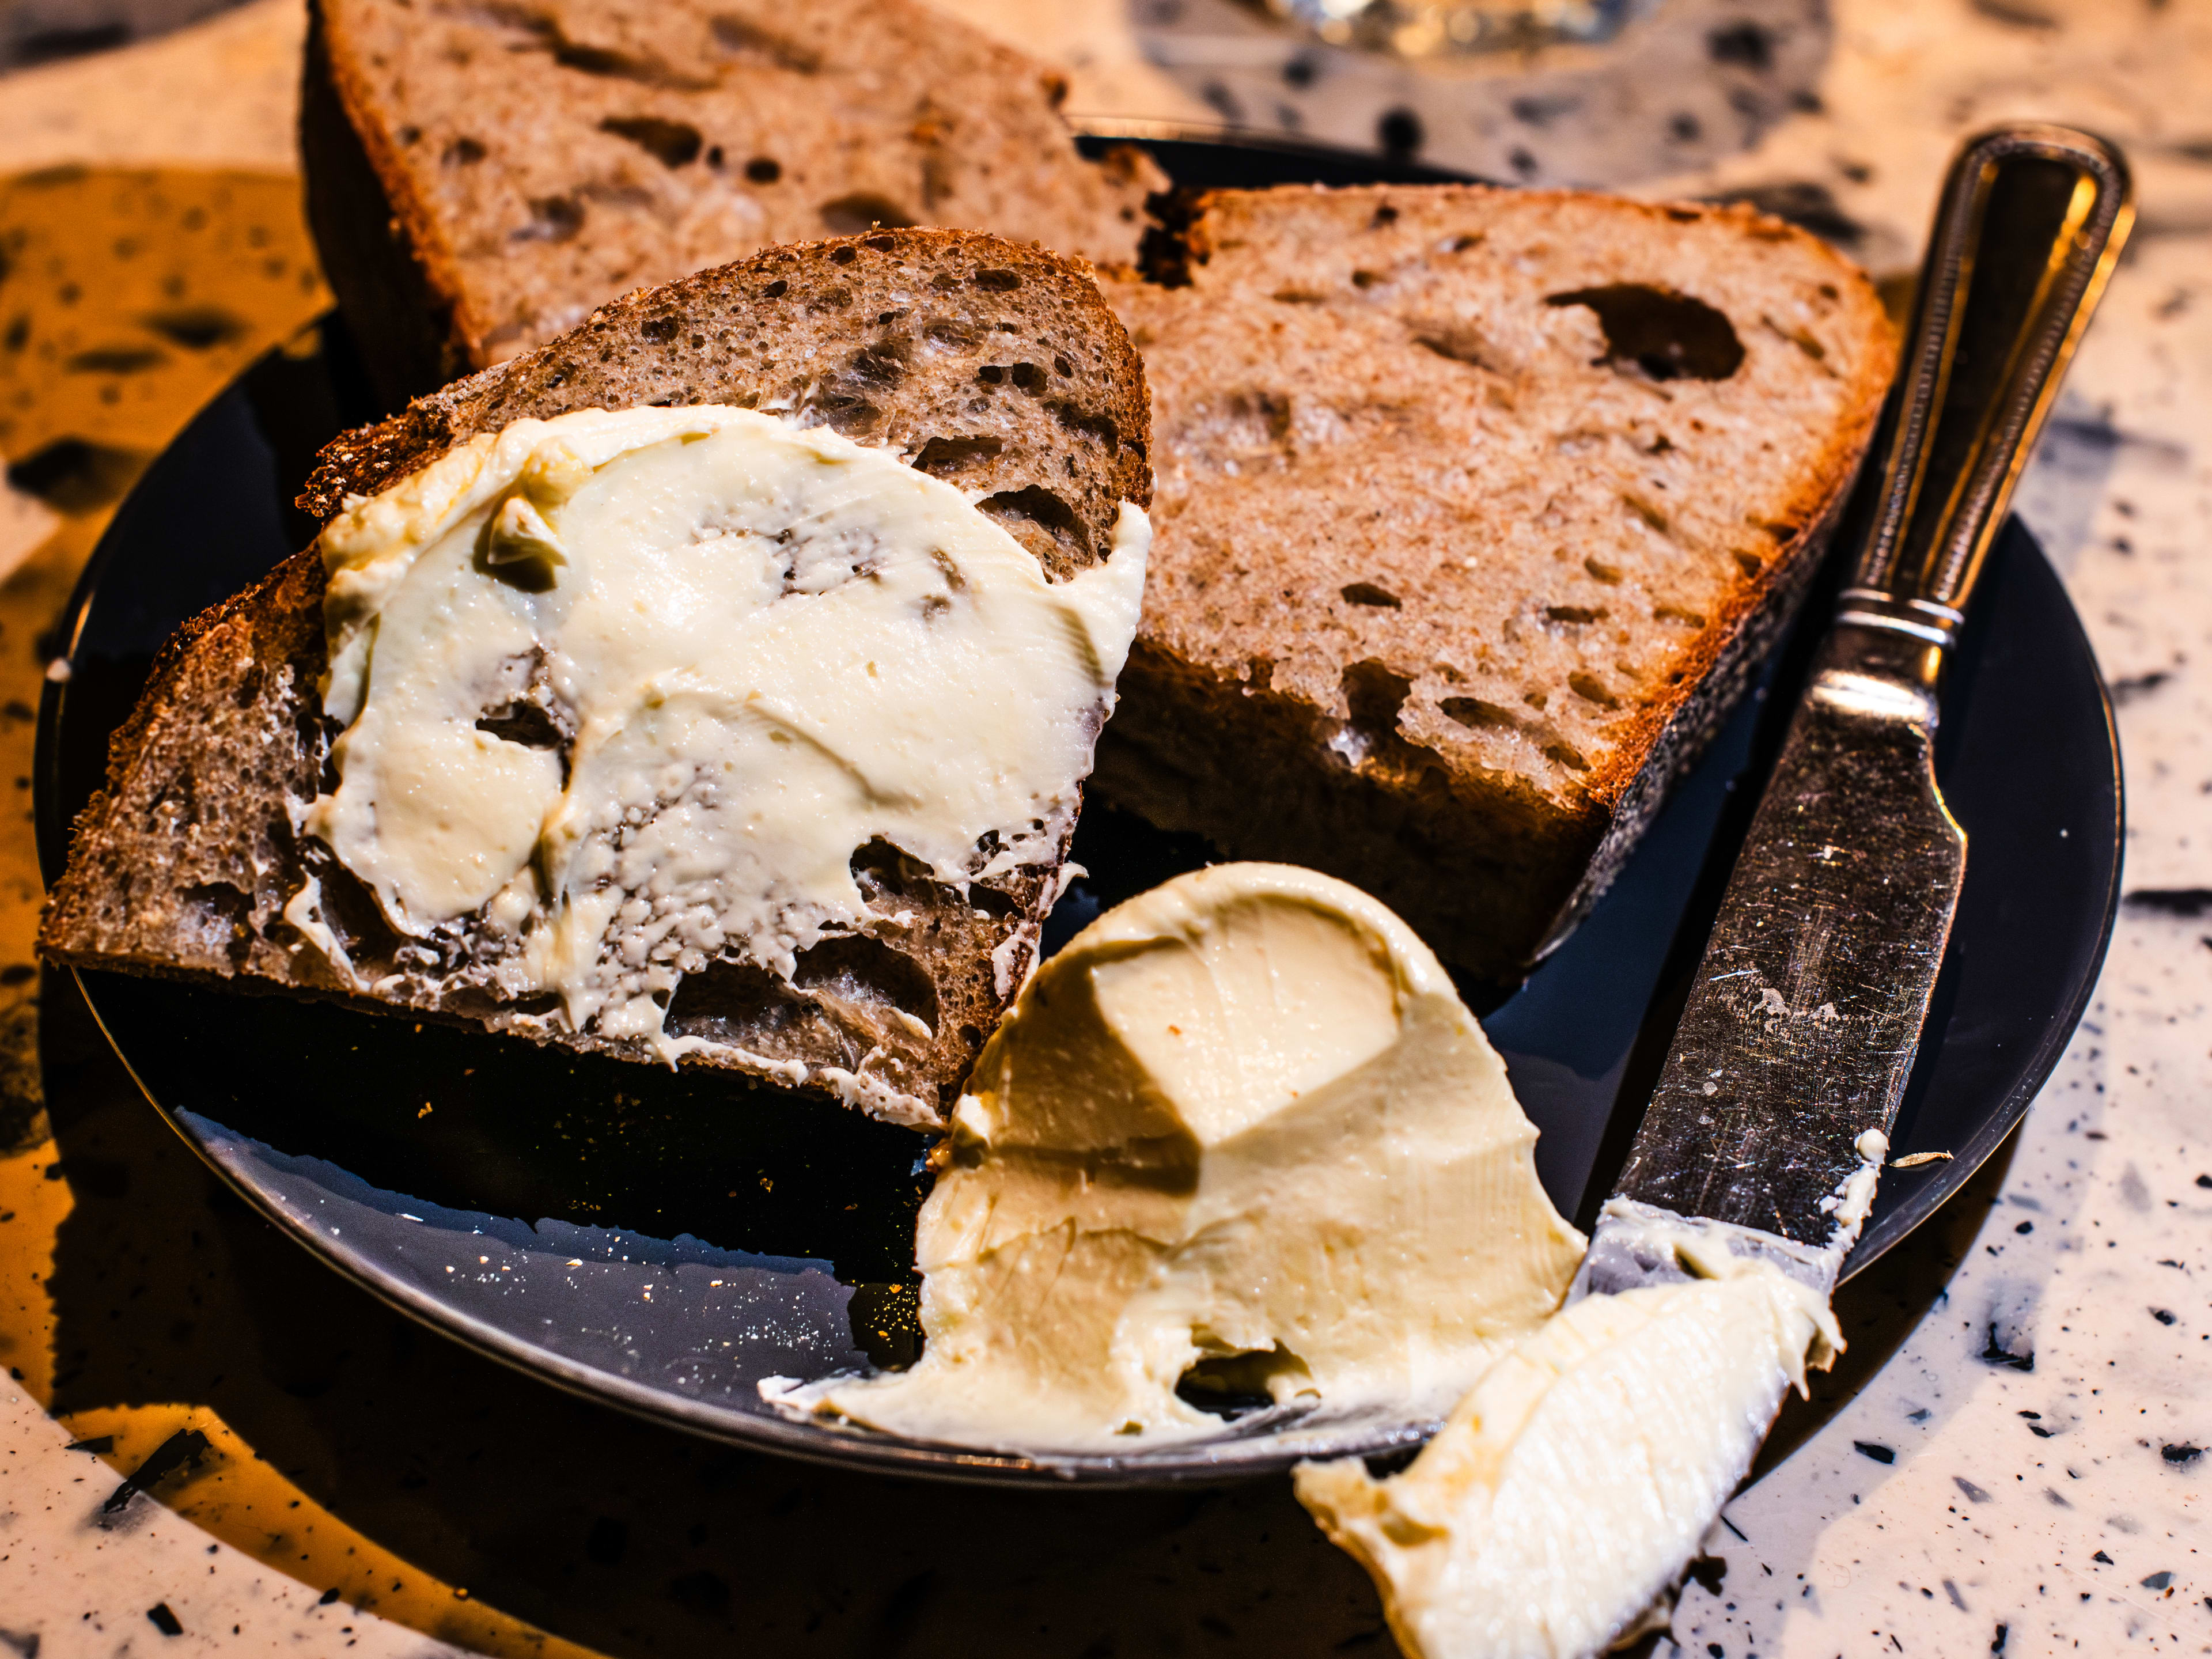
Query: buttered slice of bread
[[481, 176], [995, 367], [1476, 508]]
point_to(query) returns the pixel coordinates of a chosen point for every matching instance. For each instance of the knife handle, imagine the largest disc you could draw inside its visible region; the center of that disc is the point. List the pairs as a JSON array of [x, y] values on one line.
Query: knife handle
[[2030, 224]]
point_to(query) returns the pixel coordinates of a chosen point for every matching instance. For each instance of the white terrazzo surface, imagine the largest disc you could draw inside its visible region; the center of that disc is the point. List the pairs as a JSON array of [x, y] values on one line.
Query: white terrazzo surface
[[1963, 1504]]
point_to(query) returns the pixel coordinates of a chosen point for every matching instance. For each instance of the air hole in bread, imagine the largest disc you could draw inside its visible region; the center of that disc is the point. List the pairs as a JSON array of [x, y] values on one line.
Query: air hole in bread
[[1478, 715], [1567, 756], [1044, 523], [1590, 689], [671, 144], [1668, 336], [1027, 376], [1602, 572], [1675, 613], [1368, 593], [858, 967], [941, 457], [997, 281], [218, 919], [764, 170], [1099, 426], [1374, 694], [351, 911], [526, 723], [1455, 345], [1577, 614], [1749, 563], [463, 152], [741, 37], [863, 211], [552, 219]]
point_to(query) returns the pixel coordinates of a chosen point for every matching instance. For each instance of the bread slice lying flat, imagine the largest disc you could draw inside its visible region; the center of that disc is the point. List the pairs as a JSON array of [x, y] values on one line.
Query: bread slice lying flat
[[1476, 507], [481, 175], [997, 368]]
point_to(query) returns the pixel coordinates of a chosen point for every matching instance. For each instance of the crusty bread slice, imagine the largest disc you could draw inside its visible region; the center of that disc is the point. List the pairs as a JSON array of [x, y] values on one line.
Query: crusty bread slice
[[996, 367], [481, 175], [1476, 507]]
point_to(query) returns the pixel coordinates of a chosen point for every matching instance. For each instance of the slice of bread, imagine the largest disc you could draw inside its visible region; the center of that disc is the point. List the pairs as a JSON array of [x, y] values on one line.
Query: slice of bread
[[995, 366], [481, 175], [1476, 508]]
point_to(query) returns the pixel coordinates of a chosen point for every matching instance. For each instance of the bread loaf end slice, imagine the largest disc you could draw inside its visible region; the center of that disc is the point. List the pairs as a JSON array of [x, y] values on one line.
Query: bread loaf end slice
[[480, 177], [1477, 507], [995, 366]]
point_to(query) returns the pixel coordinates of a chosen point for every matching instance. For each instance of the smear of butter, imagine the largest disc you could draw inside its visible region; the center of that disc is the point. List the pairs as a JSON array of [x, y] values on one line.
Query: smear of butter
[[1244, 1123], [1567, 1489], [628, 689]]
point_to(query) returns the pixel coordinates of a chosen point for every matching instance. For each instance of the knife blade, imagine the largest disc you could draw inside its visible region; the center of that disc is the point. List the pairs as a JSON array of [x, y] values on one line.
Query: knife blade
[[1769, 1122]]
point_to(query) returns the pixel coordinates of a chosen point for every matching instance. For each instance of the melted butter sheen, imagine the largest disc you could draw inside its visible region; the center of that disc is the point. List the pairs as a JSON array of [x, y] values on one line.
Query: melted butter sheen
[[1564, 1494], [761, 647], [1242, 1122]]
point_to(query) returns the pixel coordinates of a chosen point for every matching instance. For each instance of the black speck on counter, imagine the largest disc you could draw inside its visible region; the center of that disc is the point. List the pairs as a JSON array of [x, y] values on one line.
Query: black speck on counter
[[99, 1445], [1970, 1489], [1709, 1571], [328, 1596], [164, 1620], [2157, 1581], [1880, 1454], [2163, 1316], [173, 1454], [2181, 1456], [2185, 901], [2101, 1556]]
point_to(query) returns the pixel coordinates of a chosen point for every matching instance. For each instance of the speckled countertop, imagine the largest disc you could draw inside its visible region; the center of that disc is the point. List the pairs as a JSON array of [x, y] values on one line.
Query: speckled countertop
[[2024, 1436]]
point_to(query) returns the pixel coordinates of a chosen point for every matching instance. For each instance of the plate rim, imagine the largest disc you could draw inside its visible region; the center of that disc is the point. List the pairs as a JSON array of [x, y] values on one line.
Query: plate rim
[[1184, 1464]]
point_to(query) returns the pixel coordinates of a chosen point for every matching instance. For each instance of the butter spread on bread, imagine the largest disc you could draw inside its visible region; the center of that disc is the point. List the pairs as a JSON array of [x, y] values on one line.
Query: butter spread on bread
[[1240, 1134], [637, 685], [994, 367]]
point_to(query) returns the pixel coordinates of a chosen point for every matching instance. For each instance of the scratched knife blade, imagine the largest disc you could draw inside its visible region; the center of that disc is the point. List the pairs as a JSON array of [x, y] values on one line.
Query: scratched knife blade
[[1806, 1014]]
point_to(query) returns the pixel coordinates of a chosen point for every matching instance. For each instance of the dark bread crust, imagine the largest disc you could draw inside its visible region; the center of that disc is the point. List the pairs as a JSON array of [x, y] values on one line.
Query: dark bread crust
[[1444, 595], [184, 866]]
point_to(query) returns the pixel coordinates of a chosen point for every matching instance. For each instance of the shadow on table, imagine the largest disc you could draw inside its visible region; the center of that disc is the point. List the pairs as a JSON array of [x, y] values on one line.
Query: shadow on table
[[608, 1531], [639, 1541]]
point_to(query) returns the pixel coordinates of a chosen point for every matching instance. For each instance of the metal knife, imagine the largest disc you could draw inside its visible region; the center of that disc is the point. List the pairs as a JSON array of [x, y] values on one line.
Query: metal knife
[[1806, 1009]]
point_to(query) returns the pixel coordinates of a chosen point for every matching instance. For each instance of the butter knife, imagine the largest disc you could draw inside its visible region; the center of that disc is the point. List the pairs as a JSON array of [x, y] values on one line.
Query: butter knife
[[1771, 1118]]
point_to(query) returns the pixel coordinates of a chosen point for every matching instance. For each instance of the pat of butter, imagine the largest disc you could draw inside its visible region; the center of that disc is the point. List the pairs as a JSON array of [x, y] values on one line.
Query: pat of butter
[[626, 691], [1565, 1494], [1242, 1123]]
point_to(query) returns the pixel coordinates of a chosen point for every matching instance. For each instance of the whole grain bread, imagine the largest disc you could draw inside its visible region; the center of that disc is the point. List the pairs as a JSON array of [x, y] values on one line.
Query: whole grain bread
[[996, 367], [1476, 507], [480, 176]]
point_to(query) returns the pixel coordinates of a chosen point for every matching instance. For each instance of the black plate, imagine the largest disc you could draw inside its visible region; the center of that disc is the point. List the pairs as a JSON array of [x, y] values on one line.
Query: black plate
[[662, 1241]]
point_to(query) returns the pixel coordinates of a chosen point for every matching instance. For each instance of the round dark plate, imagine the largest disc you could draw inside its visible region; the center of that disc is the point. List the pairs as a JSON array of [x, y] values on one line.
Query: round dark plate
[[662, 1241]]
